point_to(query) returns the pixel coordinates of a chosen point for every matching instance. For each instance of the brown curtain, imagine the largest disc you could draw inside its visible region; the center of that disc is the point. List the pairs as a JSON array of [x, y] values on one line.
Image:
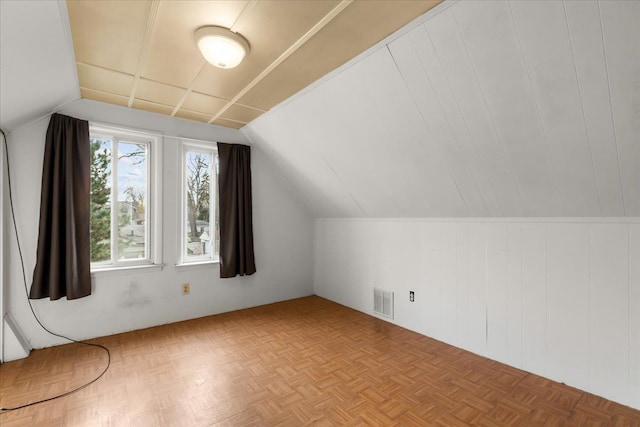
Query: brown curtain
[[63, 264], [236, 228]]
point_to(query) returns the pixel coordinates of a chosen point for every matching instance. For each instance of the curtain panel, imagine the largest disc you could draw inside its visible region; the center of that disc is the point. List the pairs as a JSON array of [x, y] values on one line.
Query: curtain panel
[[236, 225], [63, 263]]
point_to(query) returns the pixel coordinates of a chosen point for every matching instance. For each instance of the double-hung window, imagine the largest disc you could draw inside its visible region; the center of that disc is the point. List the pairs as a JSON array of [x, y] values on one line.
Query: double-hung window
[[199, 234], [124, 210]]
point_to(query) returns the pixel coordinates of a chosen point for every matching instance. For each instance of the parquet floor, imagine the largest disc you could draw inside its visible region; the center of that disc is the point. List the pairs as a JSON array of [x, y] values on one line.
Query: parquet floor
[[300, 362]]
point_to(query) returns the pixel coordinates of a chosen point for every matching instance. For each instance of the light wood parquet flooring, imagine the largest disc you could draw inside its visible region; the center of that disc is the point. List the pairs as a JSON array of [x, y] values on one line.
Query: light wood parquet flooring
[[307, 361]]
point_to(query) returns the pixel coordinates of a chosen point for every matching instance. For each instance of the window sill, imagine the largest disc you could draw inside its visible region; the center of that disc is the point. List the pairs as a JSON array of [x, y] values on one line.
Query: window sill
[[197, 265], [111, 271]]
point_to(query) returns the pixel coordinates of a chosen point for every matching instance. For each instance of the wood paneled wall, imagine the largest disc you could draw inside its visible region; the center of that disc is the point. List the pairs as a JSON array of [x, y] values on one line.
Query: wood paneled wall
[[558, 298]]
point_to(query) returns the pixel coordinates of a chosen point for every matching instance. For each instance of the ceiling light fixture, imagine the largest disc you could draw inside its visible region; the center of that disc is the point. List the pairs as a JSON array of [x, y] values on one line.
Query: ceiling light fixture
[[220, 46]]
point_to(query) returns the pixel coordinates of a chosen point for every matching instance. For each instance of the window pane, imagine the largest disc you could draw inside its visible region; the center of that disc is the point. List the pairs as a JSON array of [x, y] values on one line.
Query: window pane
[[132, 201], [100, 205], [199, 232]]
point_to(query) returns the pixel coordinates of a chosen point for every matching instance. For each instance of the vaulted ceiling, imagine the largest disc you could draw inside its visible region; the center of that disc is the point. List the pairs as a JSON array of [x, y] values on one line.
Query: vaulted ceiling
[[499, 109], [475, 109]]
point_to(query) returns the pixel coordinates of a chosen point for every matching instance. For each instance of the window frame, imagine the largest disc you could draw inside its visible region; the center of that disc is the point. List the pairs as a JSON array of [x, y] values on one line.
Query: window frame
[[153, 223], [209, 147]]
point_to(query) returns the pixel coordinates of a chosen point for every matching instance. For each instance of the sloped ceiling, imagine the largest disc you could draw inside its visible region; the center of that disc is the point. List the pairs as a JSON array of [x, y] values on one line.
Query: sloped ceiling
[[37, 72], [502, 109], [482, 109], [142, 54]]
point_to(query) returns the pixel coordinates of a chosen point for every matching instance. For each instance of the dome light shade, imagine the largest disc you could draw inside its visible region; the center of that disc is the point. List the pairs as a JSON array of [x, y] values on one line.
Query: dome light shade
[[221, 47]]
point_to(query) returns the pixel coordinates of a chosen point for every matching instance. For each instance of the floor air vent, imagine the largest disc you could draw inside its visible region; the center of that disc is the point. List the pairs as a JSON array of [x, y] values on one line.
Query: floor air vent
[[383, 302]]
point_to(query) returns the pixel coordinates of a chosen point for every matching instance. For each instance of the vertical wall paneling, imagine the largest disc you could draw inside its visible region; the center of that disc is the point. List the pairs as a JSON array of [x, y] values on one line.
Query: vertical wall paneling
[[396, 262], [560, 299], [448, 295], [514, 294], [609, 310], [568, 303], [497, 308], [476, 285], [634, 315], [428, 296], [534, 297], [462, 277]]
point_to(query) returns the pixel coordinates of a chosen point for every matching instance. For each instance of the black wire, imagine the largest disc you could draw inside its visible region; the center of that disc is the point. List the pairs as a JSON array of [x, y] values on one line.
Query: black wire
[[24, 279]]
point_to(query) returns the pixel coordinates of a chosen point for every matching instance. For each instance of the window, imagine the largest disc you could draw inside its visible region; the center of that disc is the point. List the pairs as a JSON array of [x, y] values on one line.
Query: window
[[199, 236], [124, 202]]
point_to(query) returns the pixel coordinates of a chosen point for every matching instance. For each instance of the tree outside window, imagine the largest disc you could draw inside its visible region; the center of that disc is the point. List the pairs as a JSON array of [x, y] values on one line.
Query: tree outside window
[[200, 233], [118, 206]]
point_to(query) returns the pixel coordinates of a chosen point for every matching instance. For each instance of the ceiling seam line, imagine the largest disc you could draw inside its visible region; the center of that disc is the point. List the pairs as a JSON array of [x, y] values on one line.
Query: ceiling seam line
[[188, 91], [343, 184], [486, 106], [466, 124], [245, 11], [88, 64], [250, 107], [537, 107], [428, 80], [422, 118], [146, 47], [434, 11], [232, 120], [103, 92], [294, 47], [613, 121], [584, 117], [475, 181]]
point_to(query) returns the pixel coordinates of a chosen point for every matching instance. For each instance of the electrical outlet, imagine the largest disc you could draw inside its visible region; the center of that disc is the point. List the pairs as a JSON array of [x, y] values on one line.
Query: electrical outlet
[[412, 296], [186, 288]]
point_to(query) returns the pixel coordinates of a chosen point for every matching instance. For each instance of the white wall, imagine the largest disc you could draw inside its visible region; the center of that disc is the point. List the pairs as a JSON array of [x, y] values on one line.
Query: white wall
[[558, 298], [125, 301]]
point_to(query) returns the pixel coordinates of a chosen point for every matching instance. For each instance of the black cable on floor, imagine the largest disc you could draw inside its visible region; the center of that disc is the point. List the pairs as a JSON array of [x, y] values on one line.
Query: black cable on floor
[[24, 279]]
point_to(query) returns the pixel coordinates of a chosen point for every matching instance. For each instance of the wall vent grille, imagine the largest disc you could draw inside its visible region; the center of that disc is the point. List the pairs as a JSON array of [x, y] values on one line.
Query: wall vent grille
[[383, 303]]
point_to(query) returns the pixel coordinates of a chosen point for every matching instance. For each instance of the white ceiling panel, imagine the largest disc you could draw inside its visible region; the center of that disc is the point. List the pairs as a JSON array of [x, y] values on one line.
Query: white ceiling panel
[[384, 164], [490, 35], [414, 55], [583, 21], [462, 79], [621, 34], [548, 56], [454, 122], [303, 166]]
